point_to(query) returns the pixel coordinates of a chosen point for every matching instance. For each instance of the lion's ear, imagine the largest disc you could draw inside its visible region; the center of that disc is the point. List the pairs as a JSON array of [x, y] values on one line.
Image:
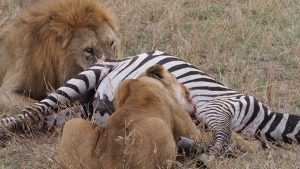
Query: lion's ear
[[123, 92], [157, 71]]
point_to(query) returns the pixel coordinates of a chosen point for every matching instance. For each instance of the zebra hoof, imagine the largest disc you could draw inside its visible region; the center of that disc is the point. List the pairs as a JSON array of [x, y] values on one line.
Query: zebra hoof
[[187, 146]]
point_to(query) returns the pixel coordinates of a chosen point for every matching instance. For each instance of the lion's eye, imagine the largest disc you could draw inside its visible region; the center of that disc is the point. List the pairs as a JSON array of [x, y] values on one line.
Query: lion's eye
[[112, 45], [92, 53], [89, 51]]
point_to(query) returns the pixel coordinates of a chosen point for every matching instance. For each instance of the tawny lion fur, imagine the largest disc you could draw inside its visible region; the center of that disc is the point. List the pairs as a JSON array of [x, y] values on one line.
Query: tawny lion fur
[[50, 42], [141, 134]]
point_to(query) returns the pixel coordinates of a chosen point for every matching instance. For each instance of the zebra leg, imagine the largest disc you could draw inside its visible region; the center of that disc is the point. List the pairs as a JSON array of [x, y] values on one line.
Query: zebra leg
[[221, 138], [217, 116], [60, 118], [76, 88], [15, 125]]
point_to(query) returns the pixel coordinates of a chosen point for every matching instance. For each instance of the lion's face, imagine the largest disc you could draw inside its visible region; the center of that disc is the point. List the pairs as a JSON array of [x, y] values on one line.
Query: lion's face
[[88, 45], [168, 81]]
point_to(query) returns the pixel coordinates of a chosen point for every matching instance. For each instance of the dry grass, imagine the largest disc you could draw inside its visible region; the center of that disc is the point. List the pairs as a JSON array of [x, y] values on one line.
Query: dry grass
[[34, 153], [250, 45]]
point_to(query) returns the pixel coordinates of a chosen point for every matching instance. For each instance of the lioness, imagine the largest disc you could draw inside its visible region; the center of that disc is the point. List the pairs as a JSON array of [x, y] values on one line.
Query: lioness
[[142, 133]]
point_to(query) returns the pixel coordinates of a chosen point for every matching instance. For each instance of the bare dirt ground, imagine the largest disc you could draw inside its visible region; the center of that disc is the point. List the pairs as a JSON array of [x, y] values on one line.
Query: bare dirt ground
[[250, 45]]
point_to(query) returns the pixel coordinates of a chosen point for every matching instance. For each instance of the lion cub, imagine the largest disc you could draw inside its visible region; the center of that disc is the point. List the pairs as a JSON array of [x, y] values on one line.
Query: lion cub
[[142, 133]]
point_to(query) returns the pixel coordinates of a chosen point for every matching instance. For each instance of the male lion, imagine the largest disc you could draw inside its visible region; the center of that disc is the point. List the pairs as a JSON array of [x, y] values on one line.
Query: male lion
[[142, 133], [50, 42]]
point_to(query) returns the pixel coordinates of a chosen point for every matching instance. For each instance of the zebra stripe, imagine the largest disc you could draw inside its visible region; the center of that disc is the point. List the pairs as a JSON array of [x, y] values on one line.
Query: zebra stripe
[[219, 107]]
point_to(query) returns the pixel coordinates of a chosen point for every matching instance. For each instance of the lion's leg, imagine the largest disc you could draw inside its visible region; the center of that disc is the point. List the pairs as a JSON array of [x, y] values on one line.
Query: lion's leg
[[244, 144], [78, 145], [184, 126], [239, 141], [207, 136], [12, 101], [155, 138]]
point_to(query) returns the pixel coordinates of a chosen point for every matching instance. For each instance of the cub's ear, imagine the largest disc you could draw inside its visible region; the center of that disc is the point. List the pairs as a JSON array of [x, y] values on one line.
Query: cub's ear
[[123, 92], [157, 71]]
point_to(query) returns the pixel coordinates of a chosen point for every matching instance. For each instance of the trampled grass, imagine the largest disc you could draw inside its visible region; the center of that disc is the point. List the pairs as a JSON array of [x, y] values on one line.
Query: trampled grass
[[252, 46]]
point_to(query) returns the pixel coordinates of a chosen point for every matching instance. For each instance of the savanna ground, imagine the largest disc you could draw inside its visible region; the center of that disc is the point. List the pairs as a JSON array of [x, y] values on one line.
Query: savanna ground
[[250, 45]]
